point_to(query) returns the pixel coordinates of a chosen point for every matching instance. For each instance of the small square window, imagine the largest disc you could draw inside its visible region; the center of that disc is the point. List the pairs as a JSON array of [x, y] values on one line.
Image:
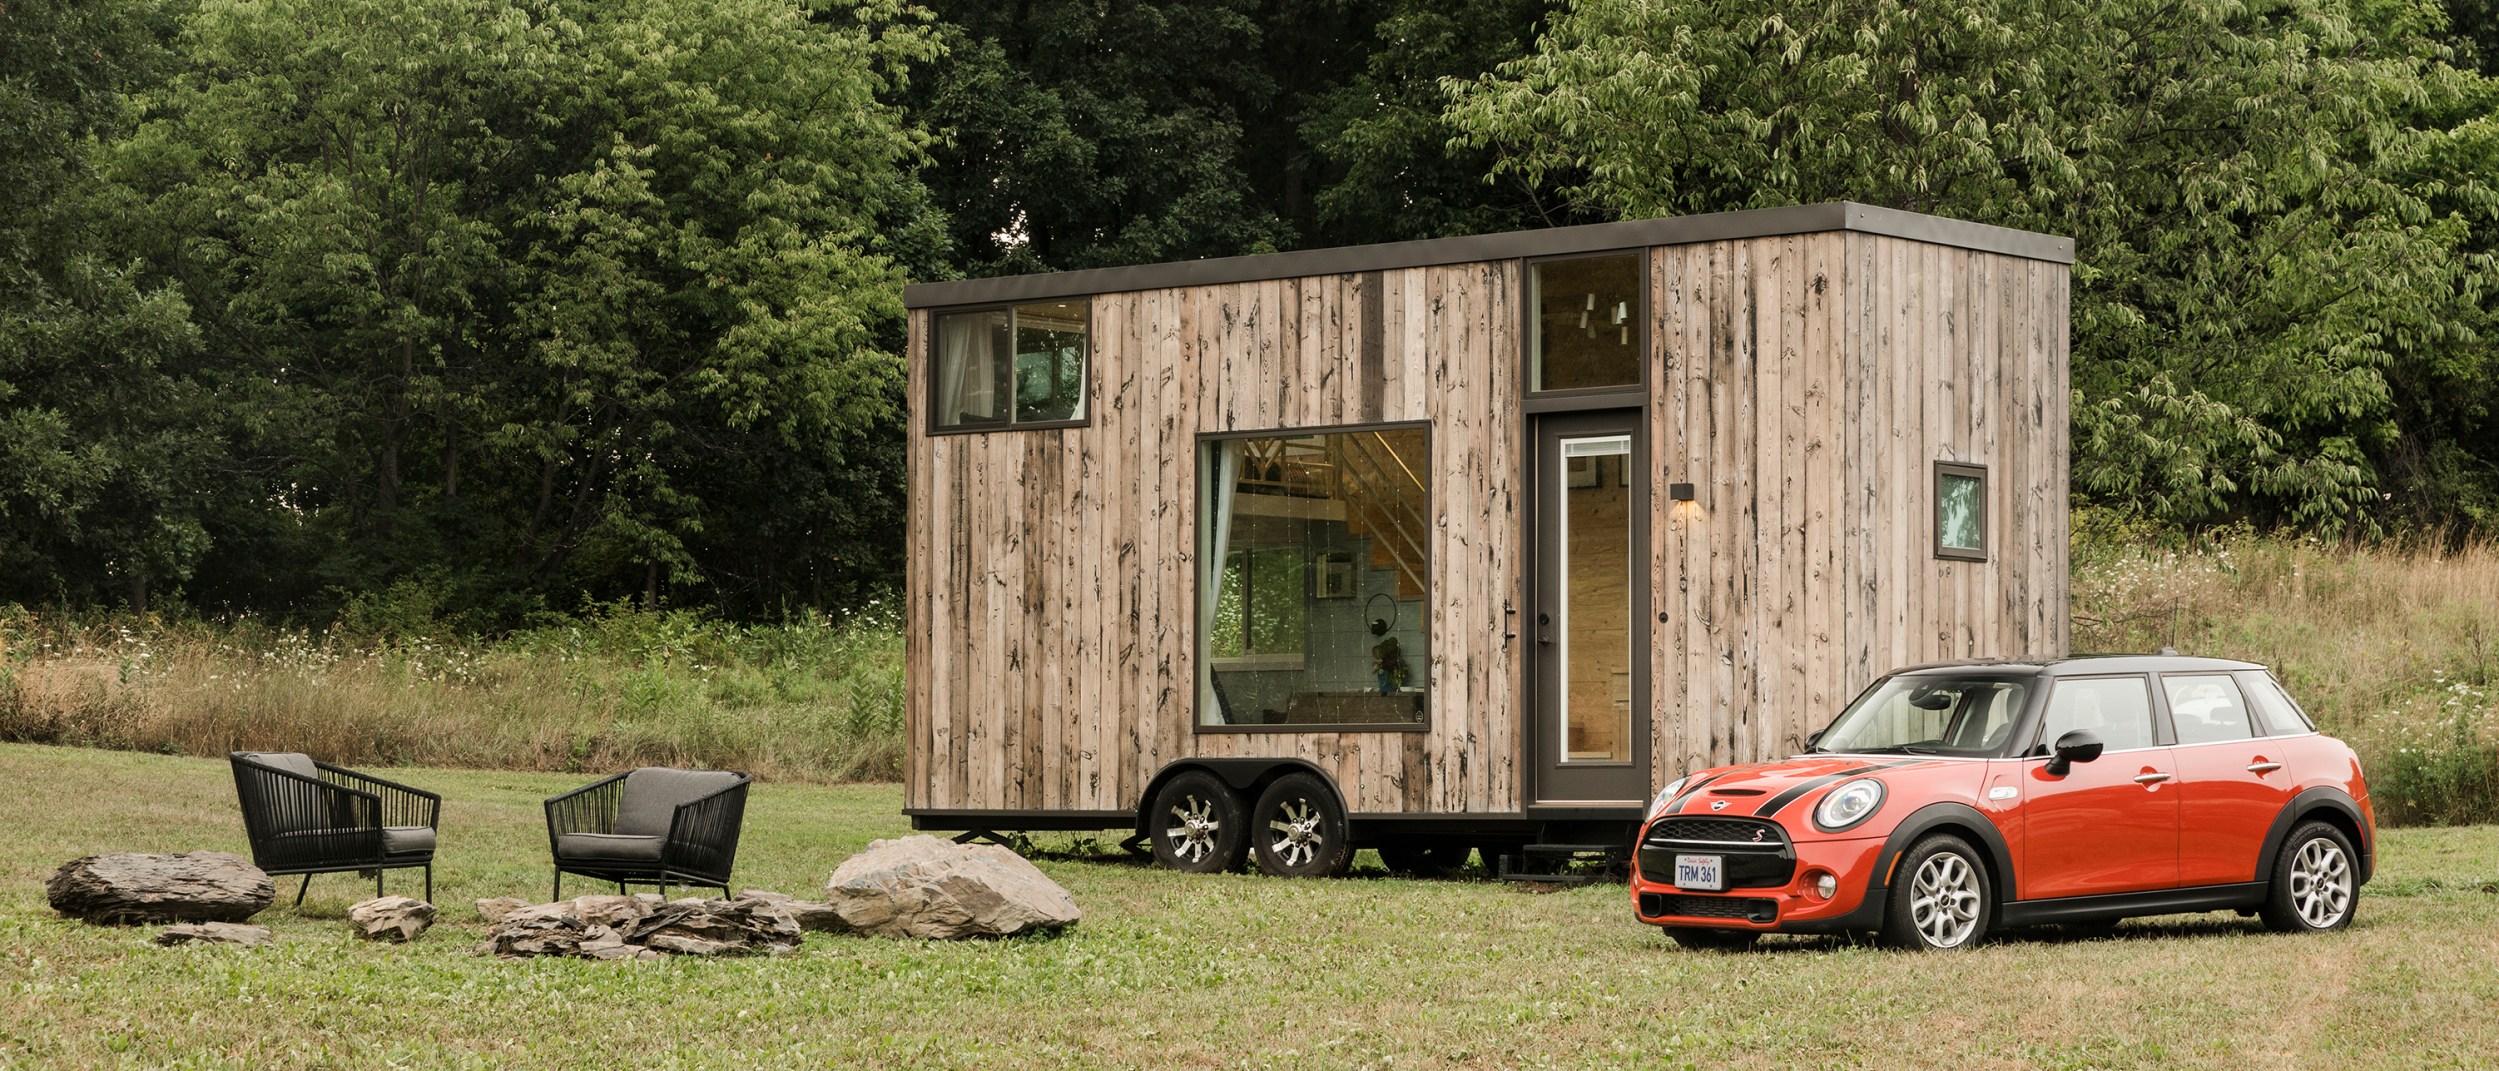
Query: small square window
[[1587, 329], [1960, 511], [999, 368]]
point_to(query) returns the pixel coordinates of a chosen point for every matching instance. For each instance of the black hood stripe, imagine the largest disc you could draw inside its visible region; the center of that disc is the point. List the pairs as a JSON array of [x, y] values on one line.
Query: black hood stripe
[[1676, 804], [1798, 792]]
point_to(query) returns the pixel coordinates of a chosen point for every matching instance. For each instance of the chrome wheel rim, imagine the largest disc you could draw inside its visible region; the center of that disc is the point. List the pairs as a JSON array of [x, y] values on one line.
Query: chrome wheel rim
[[1193, 829], [1944, 900], [2321, 885], [1293, 834]]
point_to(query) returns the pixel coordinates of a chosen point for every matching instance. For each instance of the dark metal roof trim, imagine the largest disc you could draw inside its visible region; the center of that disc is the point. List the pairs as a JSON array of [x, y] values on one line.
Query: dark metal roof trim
[[1672, 230]]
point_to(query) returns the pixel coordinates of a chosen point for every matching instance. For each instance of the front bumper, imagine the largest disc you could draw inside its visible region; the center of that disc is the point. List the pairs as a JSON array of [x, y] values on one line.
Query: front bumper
[[1789, 907]]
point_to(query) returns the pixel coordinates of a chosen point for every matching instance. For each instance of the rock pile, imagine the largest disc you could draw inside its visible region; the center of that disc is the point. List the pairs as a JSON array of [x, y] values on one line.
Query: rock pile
[[134, 887], [391, 918], [643, 927], [931, 887]]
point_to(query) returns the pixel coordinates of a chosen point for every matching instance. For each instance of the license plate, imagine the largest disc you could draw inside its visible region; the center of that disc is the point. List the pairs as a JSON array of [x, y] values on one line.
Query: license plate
[[1699, 872]]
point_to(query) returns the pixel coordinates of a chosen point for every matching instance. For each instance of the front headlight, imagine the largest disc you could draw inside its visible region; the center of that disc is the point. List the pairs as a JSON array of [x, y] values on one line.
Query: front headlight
[[1665, 794], [1851, 803]]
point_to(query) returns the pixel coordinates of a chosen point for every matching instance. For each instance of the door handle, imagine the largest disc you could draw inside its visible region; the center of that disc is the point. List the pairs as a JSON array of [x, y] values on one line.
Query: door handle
[[2150, 778], [2260, 767]]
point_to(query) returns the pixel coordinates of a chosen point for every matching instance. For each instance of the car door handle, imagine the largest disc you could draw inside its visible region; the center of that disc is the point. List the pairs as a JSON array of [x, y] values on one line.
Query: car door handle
[[2150, 778], [2260, 767]]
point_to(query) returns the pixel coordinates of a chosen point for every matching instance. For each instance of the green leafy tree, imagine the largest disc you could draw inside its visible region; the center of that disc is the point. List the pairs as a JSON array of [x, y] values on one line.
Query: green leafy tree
[[108, 453], [2275, 204], [510, 287]]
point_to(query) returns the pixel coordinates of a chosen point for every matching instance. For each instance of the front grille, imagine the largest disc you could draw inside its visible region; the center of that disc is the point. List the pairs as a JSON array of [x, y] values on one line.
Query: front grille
[[1721, 830], [1668, 905], [1744, 862]]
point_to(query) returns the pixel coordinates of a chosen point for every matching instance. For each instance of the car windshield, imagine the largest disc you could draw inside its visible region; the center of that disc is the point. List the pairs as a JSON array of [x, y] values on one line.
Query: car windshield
[[1929, 714]]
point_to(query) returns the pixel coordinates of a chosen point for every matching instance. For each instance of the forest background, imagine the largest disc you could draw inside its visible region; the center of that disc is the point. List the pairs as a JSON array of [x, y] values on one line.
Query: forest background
[[508, 310]]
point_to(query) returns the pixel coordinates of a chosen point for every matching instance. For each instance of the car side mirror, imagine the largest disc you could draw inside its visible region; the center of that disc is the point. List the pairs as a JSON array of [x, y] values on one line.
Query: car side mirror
[[1812, 738], [2080, 745]]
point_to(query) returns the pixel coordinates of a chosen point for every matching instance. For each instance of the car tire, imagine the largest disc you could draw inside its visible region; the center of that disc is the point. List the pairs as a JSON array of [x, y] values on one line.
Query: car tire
[[1943, 900], [1297, 830], [2316, 882], [1700, 939], [1423, 860], [1197, 824]]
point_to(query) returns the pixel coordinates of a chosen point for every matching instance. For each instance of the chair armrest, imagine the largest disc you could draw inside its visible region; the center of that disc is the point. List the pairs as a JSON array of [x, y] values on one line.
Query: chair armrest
[[703, 834], [402, 805], [280, 807], [588, 809]]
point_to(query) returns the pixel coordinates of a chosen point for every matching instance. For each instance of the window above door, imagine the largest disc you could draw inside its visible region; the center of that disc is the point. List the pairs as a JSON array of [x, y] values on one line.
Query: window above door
[[1586, 331]]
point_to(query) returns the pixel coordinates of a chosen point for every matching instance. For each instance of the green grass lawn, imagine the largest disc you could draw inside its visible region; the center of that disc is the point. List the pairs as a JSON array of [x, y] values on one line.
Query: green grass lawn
[[1172, 970]]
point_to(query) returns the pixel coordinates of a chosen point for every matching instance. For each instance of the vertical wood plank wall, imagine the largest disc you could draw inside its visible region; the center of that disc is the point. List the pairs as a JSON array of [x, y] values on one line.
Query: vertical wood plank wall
[[1807, 383]]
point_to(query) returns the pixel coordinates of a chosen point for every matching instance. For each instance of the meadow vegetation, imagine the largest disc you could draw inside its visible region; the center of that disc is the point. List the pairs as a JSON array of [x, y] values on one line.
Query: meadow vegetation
[[1172, 970], [2392, 648], [816, 698]]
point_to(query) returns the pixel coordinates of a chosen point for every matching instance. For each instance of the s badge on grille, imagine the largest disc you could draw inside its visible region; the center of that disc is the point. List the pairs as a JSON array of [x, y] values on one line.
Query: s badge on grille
[[1717, 805], [1757, 834]]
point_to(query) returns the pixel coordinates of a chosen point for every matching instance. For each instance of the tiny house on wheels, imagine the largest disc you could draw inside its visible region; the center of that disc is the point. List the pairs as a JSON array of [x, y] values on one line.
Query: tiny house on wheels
[[1464, 543]]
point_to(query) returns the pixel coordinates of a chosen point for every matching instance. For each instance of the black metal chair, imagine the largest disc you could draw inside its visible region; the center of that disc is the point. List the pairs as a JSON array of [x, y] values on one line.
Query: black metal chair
[[306, 817], [651, 826]]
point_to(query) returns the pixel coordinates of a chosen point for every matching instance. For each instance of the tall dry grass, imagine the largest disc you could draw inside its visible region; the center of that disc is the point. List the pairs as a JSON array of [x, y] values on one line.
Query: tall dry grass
[[817, 699], [2391, 648]]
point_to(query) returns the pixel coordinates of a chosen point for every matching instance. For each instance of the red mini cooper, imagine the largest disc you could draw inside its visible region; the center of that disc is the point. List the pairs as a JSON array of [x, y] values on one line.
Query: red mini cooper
[[1951, 799]]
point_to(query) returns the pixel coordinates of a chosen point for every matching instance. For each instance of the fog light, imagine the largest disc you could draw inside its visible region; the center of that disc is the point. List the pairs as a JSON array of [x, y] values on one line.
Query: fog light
[[1826, 886]]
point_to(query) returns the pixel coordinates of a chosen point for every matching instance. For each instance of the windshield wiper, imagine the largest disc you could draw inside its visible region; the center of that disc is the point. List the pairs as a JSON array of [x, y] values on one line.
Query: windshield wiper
[[1894, 749]]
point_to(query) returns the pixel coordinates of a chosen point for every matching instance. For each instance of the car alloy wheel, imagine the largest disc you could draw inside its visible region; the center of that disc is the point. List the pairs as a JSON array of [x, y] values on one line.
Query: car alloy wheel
[[1298, 830], [2315, 886], [1196, 824], [1945, 901]]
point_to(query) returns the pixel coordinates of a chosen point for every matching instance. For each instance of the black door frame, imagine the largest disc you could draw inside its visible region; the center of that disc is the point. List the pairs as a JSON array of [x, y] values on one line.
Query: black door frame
[[1548, 782]]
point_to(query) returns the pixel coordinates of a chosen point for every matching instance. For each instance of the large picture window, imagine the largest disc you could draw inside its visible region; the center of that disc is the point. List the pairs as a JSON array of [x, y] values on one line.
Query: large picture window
[[1313, 580], [999, 368]]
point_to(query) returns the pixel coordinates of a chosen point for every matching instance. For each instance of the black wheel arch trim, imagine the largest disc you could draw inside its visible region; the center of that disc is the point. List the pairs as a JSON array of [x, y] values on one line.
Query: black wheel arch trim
[[2308, 803], [1245, 776], [1963, 819]]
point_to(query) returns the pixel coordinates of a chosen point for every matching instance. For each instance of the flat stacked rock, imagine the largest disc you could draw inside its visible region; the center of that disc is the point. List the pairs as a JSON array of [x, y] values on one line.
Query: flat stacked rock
[[927, 886], [492, 911], [139, 887], [214, 933], [391, 918], [643, 927], [815, 915]]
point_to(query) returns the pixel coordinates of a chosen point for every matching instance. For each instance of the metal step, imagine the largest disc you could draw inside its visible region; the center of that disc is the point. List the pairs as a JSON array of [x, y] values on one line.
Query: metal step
[[1575, 849], [1549, 861]]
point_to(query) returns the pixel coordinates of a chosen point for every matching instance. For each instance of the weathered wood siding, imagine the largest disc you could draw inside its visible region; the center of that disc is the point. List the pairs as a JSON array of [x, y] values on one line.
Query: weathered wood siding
[[1054, 572], [1809, 385], [1806, 383]]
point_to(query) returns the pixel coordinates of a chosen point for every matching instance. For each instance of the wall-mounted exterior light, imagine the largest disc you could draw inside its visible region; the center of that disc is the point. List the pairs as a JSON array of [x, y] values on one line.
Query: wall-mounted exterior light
[[1680, 492]]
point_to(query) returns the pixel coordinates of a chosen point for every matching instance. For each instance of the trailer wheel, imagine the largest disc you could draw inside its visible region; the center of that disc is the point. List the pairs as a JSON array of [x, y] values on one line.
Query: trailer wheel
[[1197, 824], [1299, 831], [1423, 860]]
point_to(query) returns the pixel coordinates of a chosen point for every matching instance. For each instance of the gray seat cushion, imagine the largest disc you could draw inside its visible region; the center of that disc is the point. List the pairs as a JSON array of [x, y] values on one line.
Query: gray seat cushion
[[651, 796], [289, 761], [607, 848], [407, 840]]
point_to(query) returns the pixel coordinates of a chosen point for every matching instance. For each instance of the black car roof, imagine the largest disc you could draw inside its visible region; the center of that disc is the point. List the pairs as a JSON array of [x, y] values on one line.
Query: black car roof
[[2085, 665]]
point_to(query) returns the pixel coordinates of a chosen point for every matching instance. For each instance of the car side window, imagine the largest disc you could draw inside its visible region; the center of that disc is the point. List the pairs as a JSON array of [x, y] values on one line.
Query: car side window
[[2206, 708], [2119, 709], [2280, 715]]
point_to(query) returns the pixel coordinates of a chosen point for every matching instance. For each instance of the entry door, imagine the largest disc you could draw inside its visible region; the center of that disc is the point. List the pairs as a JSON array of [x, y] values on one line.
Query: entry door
[[1588, 535]]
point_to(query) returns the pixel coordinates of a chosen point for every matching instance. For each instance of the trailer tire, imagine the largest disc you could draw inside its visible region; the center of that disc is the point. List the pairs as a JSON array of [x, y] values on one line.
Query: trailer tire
[[1197, 824], [1299, 830]]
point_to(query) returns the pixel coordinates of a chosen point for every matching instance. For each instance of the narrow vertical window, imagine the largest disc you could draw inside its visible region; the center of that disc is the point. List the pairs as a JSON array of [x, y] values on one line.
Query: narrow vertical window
[[998, 368], [1960, 511], [1587, 330]]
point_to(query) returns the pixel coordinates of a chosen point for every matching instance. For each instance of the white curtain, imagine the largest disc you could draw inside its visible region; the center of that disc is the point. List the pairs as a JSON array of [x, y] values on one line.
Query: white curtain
[[966, 375], [1216, 514]]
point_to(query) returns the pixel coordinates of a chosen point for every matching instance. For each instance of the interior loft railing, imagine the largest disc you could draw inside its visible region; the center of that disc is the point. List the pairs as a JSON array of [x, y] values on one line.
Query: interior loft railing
[[1380, 491]]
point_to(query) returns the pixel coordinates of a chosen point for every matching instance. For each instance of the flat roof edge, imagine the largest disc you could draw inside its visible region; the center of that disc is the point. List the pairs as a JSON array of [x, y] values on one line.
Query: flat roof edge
[[1555, 241]]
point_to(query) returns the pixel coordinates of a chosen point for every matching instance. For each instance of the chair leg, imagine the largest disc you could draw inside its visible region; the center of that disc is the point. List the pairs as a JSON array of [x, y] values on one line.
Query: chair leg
[[429, 883], [558, 895], [377, 884], [300, 890]]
